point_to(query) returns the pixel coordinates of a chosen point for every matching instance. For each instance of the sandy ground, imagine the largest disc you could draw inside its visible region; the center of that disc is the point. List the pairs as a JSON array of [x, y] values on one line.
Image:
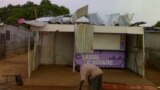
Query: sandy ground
[[153, 75], [57, 77], [12, 66]]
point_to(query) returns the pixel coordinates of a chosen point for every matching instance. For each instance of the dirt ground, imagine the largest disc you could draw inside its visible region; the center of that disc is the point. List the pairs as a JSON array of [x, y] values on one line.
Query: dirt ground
[[12, 66], [58, 77], [57, 74], [153, 75]]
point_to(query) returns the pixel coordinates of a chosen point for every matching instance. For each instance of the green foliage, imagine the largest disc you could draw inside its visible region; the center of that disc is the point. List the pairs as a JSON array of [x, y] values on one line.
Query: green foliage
[[157, 24], [47, 9], [30, 11], [11, 20]]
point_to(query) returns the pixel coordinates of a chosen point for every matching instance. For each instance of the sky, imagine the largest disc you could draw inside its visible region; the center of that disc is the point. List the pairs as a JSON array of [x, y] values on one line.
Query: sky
[[144, 10]]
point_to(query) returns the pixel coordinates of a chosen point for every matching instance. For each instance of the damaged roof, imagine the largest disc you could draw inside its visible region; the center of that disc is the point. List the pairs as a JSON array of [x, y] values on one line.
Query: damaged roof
[[82, 16]]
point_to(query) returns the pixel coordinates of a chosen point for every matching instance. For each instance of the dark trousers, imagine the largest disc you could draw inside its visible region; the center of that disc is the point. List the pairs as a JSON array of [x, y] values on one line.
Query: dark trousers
[[95, 83]]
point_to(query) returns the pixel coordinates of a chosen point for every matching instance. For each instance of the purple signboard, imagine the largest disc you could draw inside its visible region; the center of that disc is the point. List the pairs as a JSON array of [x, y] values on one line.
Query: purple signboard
[[106, 59]]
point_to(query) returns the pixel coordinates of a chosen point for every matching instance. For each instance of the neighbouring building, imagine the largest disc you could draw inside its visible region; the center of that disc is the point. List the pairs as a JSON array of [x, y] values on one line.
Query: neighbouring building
[[152, 43], [15, 39]]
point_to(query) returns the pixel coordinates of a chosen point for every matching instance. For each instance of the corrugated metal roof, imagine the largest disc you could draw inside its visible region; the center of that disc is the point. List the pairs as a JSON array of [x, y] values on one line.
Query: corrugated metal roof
[[82, 20], [95, 19], [44, 19], [36, 23]]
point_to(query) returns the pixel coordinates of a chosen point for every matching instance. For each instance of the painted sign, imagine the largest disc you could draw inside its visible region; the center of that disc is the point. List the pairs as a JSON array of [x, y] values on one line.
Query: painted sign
[[106, 59]]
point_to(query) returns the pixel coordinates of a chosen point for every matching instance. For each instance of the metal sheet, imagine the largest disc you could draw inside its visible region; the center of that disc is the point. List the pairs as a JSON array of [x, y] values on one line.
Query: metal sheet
[[79, 13], [64, 48], [47, 48], [36, 23], [95, 19], [135, 54], [83, 38]]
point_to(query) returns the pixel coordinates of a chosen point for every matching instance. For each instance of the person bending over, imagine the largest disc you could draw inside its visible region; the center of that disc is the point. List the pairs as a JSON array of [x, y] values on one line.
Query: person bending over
[[92, 73]]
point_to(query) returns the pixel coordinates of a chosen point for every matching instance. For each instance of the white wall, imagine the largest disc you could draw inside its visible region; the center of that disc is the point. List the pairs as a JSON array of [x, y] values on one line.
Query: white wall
[[106, 41]]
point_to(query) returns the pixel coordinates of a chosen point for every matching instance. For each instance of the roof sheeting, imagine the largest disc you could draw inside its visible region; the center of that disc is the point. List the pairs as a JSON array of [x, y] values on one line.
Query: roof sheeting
[[57, 19], [82, 20], [112, 19], [44, 19], [36, 23], [95, 19], [83, 11], [123, 20]]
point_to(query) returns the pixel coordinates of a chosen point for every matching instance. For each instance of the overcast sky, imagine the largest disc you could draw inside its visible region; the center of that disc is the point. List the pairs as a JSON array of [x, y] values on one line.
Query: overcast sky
[[144, 10]]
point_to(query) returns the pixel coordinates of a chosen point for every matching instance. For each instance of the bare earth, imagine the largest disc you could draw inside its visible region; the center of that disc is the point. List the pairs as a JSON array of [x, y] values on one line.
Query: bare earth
[[61, 77]]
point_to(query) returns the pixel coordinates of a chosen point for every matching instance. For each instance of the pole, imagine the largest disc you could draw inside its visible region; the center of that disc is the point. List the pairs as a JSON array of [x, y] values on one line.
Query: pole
[[29, 58]]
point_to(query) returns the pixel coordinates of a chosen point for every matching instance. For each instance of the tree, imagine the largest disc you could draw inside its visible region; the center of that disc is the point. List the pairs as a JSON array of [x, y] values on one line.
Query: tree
[[12, 20], [157, 24], [45, 8], [28, 11]]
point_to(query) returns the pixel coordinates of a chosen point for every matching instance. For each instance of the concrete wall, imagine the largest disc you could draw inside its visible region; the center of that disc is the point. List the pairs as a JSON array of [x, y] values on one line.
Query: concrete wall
[[152, 43], [17, 41]]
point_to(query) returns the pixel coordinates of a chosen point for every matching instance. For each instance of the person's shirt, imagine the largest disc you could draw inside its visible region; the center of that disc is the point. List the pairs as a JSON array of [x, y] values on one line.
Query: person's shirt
[[89, 69]]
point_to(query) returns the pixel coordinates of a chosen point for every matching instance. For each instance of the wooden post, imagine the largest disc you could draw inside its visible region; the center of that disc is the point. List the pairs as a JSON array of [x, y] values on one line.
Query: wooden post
[[143, 47], [29, 58]]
